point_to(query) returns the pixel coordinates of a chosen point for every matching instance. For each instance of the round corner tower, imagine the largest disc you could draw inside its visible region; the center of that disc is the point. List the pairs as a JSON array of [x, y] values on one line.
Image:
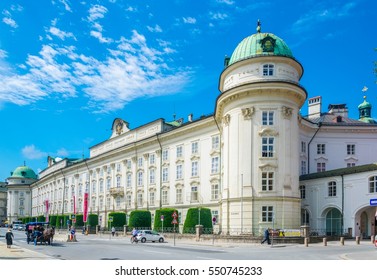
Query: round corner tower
[[258, 107]]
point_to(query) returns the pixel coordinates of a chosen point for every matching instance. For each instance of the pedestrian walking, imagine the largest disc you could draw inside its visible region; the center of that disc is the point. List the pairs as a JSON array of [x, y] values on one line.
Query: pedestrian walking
[[266, 236], [113, 231], [9, 237]]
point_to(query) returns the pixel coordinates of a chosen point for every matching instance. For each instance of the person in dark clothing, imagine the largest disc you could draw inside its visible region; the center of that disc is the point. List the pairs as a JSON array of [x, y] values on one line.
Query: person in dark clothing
[[9, 237], [266, 237]]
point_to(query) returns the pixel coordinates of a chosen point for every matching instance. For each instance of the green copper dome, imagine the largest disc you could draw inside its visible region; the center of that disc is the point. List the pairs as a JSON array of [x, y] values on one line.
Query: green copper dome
[[365, 104], [24, 172], [260, 44]]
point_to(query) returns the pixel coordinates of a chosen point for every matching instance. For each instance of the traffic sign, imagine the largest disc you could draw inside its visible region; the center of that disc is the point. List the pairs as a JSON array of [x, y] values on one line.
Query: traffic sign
[[214, 220], [373, 201], [175, 215], [174, 222], [111, 218], [162, 218]]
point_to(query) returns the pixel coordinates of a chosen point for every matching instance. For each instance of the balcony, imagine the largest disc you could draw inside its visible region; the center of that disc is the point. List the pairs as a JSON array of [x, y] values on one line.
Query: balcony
[[117, 191]]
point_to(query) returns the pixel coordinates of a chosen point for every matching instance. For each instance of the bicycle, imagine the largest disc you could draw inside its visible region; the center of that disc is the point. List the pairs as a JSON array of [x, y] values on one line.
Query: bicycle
[[134, 239]]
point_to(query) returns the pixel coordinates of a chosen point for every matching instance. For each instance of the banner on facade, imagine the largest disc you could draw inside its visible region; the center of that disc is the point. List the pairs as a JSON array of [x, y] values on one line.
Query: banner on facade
[[46, 209], [74, 204], [85, 210]]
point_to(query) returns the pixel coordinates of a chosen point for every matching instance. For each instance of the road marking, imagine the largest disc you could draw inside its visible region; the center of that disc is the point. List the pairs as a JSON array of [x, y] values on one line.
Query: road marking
[[207, 258], [157, 252]]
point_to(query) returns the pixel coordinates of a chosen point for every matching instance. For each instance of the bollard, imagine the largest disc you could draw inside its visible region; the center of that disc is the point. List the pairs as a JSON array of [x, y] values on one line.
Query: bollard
[[306, 241], [373, 239], [324, 241], [357, 240], [342, 240]]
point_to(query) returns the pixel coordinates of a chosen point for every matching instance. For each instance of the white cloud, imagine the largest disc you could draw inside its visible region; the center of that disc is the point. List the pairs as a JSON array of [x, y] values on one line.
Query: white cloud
[[66, 5], [189, 20], [218, 16], [11, 22], [31, 152], [157, 28], [227, 2], [96, 12], [60, 34]]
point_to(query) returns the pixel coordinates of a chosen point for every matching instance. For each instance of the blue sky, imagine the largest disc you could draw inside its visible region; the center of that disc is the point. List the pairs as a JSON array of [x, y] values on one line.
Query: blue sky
[[69, 68]]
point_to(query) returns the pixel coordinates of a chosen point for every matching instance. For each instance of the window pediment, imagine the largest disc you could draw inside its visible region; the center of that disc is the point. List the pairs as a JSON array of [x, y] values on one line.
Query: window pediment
[[268, 167]]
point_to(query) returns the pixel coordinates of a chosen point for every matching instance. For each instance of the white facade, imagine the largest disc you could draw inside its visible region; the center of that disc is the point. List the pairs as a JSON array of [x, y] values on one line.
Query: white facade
[[243, 162]]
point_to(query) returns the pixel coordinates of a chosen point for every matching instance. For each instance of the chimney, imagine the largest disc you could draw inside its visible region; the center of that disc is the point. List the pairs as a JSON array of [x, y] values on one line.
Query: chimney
[[314, 107], [190, 117], [338, 110]]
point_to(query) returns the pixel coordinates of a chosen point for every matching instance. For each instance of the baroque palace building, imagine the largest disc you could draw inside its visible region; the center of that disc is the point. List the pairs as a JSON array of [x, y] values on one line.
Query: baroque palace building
[[256, 162]]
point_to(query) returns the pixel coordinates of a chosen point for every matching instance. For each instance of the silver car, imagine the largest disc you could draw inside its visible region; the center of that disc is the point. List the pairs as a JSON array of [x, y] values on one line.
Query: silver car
[[149, 235]]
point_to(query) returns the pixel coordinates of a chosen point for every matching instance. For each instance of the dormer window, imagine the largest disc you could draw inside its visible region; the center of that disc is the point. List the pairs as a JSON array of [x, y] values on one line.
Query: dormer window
[[268, 70]]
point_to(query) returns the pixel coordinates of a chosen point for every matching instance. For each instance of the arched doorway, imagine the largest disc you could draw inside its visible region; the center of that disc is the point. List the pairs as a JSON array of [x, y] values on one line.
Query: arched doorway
[[364, 225], [333, 222]]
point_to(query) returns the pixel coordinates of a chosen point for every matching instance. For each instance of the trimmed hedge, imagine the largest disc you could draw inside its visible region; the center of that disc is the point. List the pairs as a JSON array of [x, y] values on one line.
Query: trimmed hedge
[[192, 219], [167, 226], [119, 219], [140, 219], [92, 220]]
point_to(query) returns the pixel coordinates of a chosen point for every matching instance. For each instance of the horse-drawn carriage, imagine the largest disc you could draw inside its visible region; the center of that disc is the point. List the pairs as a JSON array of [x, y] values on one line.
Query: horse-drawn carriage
[[39, 232]]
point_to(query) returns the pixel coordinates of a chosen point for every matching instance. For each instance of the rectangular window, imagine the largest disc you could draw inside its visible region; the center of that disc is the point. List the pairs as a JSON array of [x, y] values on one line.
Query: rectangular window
[[178, 196], [303, 147], [165, 174], [302, 192], [194, 147], [215, 191], [373, 184], [332, 188], [267, 146], [151, 198], [129, 164], [165, 155], [194, 193], [140, 162], [215, 214], [152, 159], [268, 70], [267, 213], [179, 173], [94, 186], [117, 201], [351, 164], [118, 167], [128, 200], [140, 200], [152, 176], [129, 180], [165, 199], [303, 167], [139, 178], [267, 118], [119, 180], [101, 186], [215, 142], [321, 166], [179, 151], [350, 149], [267, 181], [214, 165], [321, 149], [194, 168]]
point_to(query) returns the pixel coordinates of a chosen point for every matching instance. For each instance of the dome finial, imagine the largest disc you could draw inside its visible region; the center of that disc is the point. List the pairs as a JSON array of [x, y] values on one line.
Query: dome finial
[[258, 26]]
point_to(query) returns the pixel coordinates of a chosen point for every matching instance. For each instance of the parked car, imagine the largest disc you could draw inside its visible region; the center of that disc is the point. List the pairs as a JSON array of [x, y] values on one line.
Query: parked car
[[150, 235]]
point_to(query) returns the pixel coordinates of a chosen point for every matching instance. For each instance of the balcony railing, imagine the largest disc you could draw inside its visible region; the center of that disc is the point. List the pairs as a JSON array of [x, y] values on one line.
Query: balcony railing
[[117, 191]]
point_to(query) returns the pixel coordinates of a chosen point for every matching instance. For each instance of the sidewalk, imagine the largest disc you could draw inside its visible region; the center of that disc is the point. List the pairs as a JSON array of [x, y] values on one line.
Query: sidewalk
[[18, 253]]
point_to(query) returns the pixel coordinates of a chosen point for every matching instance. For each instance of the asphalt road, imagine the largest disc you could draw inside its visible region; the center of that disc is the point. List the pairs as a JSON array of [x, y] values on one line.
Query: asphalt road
[[93, 247]]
